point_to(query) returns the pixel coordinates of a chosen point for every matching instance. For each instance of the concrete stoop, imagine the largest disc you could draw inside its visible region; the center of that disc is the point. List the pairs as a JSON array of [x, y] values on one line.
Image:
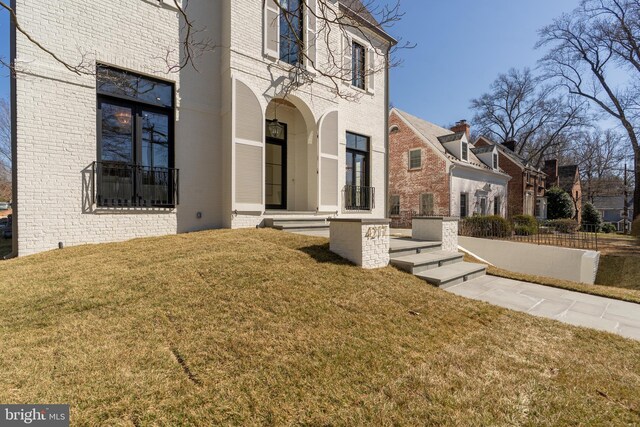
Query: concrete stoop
[[429, 262], [297, 224]]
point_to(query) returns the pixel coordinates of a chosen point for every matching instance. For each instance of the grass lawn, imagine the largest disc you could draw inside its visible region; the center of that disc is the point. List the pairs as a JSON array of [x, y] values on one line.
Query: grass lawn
[[265, 327], [619, 270]]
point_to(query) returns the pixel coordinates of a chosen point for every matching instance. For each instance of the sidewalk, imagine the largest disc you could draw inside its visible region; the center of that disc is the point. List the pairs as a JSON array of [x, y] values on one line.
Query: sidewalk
[[575, 308]]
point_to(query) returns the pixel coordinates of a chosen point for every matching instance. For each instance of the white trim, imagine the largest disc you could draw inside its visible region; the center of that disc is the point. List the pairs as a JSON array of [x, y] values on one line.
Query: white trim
[[248, 142]]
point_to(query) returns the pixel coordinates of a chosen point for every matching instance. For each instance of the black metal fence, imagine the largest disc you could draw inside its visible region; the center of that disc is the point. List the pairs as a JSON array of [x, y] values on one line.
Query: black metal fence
[[564, 233], [124, 185], [358, 198]]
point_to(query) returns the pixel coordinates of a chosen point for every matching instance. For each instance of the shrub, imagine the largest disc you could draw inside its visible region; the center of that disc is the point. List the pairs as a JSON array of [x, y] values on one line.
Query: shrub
[[609, 228], [635, 227], [485, 226], [525, 225], [523, 230], [563, 225], [559, 204], [591, 219]]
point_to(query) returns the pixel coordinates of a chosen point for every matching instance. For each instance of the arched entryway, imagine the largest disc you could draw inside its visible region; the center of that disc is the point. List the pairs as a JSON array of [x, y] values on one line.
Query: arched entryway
[[291, 156]]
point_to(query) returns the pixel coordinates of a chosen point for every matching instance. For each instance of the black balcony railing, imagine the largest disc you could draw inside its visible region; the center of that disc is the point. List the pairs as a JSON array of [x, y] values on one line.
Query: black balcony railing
[[357, 198], [123, 185]]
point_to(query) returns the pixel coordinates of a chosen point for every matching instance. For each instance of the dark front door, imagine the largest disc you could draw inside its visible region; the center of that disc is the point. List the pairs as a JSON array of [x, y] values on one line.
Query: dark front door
[[276, 173]]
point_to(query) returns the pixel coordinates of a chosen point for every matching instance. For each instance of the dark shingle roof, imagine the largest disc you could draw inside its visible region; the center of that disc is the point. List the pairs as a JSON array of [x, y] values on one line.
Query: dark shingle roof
[[480, 150], [450, 138]]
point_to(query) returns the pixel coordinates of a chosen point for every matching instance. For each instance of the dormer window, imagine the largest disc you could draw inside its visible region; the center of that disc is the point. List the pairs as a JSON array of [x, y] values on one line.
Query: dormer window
[[465, 151], [495, 161]]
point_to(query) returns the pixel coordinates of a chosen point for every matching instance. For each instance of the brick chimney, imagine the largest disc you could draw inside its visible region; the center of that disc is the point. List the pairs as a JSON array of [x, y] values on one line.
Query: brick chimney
[[551, 169], [462, 126], [511, 145]]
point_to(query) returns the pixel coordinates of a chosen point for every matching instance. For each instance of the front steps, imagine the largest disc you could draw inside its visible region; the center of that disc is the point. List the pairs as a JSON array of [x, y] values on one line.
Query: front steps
[[429, 262], [297, 222]]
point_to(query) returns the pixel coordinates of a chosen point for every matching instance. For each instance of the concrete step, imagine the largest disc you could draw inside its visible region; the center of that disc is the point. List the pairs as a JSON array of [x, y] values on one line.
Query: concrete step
[[400, 247], [300, 225], [453, 274], [418, 263]]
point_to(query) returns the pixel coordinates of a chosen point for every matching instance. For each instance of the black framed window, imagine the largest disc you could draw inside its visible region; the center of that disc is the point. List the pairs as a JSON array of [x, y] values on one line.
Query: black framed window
[[358, 70], [495, 161], [465, 151], [291, 31], [497, 205], [415, 159], [464, 205], [358, 194], [136, 144]]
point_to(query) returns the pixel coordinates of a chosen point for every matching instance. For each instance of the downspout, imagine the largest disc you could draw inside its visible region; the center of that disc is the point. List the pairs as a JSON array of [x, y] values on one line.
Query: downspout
[[14, 141], [386, 137], [451, 189]]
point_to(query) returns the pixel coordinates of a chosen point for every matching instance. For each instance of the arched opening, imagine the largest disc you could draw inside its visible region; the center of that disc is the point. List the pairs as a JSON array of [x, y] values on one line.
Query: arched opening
[[290, 156]]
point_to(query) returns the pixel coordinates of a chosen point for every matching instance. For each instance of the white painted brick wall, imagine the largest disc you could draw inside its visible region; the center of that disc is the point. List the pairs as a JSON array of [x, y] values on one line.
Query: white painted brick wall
[[56, 114]]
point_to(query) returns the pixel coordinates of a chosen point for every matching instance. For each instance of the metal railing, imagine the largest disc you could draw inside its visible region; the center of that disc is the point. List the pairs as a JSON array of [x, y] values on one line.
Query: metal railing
[[549, 233], [358, 198], [125, 185]]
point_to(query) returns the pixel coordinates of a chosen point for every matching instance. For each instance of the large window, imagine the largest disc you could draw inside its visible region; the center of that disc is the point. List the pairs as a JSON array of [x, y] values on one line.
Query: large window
[[358, 65], [358, 194], [135, 141], [291, 31]]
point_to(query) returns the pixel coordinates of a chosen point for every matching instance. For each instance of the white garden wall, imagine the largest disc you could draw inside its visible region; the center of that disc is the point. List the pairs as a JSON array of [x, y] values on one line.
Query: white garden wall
[[549, 261]]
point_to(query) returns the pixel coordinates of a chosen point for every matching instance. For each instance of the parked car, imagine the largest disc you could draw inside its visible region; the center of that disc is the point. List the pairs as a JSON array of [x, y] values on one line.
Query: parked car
[[5, 206]]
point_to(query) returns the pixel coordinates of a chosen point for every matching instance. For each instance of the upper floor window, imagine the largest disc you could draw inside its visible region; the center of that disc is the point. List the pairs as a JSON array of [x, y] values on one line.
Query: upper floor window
[[415, 159], [291, 31], [465, 151], [358, 65], [495, 160]]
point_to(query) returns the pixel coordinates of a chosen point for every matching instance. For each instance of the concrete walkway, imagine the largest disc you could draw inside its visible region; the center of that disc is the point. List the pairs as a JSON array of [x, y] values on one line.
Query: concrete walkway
[[575, 308]]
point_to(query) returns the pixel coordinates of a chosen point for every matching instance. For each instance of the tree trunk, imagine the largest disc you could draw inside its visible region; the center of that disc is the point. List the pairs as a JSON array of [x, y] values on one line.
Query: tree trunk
[[636, 191]]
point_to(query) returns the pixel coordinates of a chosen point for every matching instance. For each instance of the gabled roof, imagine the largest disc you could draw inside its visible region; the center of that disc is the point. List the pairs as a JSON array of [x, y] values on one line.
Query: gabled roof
[[435, 135], [512, 155], [359, 11]]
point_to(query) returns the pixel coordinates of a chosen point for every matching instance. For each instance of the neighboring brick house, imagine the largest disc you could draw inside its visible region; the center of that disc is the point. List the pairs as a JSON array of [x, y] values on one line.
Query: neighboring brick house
[[437, 172], [129, 150], [568, 178], [527, 187]]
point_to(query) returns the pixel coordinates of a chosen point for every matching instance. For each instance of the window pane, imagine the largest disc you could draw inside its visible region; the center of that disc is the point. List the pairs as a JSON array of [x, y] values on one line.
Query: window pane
[[358, 65], [117, 134], [291, 31], [155, 140], [123, 84]]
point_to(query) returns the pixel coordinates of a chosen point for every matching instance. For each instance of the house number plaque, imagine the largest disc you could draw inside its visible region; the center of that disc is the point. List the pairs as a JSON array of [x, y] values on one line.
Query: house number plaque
[[376, 232]]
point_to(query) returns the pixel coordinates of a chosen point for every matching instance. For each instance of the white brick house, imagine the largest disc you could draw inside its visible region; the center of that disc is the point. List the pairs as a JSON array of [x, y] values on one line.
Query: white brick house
[[191, 150]]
